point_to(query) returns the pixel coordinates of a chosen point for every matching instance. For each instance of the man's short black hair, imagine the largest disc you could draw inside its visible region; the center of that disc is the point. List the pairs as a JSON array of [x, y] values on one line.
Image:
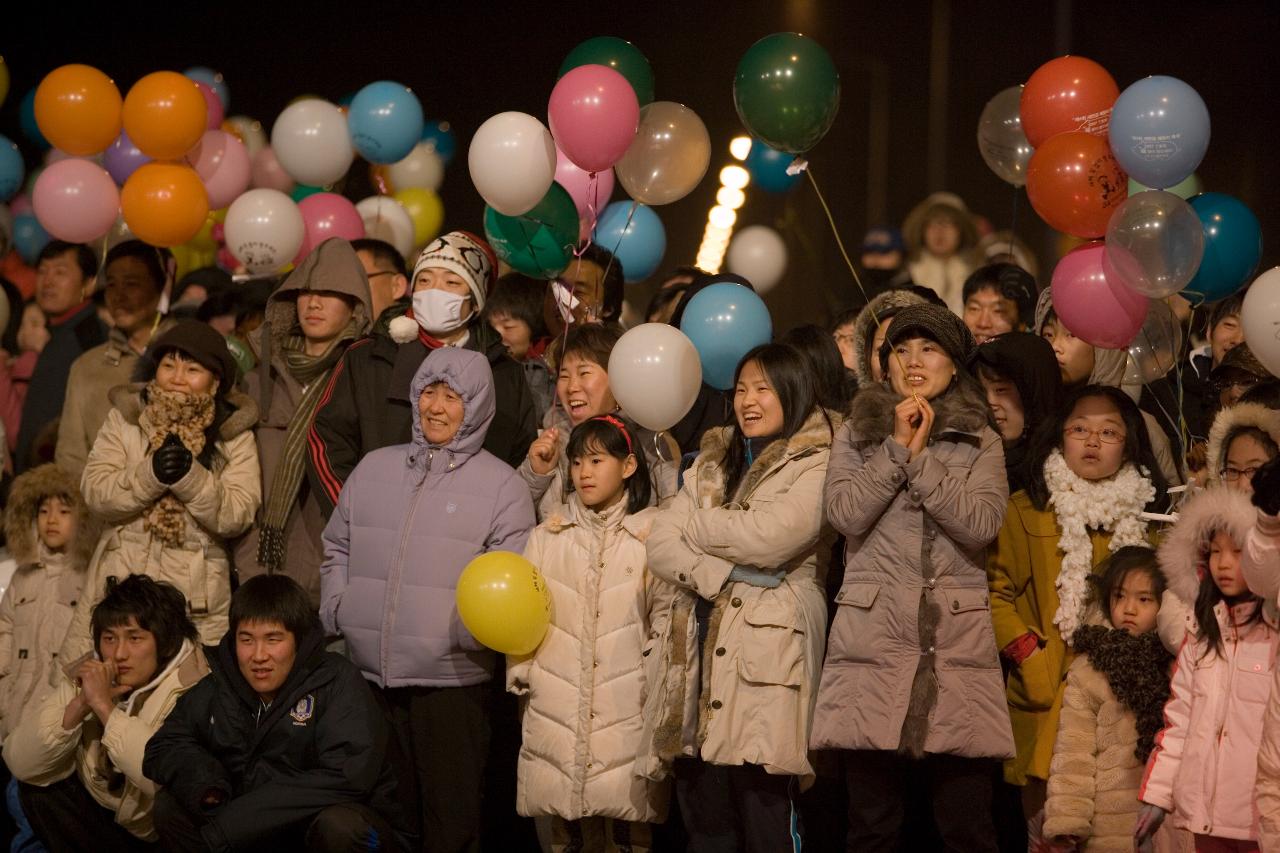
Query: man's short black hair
[[1010, 281], [520, 297], [383, 253], [274, 598], [85, 257], [156, 606]]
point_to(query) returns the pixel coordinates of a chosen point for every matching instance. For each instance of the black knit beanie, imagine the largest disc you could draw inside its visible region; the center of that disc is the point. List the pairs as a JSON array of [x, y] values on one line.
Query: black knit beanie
[[933, 322], [199, 341]]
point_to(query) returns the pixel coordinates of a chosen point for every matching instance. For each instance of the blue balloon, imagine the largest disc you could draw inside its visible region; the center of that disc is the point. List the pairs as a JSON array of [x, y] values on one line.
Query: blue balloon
[[439, 134], [212, 79], [12, 169], [29, 237], [725, 321], [768, 168], [27, 120], [385, 121], [1159, 131], [638, 245], [1232, 247]]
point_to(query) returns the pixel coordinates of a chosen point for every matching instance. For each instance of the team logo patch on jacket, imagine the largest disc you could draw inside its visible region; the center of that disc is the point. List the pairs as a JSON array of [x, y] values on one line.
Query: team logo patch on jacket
[[303, 710]]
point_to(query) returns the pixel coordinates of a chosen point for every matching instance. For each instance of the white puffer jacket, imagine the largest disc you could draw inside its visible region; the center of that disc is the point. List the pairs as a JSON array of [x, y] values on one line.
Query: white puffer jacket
[[584, 686]]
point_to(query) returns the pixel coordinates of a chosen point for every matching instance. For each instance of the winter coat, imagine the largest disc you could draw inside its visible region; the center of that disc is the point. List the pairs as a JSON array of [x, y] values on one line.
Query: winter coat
[[746, 695], [1228, 424], [107, 760], [321, 742], [15, 381], [367, 405], [408, 521], [334, 269], [541, 380], [120, 487], [911, 662], [584, 686], [1262, 559], [868, 320]]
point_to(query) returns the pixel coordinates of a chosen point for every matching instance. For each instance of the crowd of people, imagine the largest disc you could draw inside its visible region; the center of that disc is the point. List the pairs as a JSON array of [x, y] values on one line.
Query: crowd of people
[[936, 574]]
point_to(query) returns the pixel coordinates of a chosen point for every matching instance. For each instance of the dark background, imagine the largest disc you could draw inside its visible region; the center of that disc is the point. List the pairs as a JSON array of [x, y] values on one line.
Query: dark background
[[469, 60]]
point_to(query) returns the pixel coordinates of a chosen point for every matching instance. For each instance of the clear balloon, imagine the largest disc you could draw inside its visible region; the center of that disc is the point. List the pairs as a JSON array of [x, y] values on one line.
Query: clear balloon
[[76, 200], [1232, 247], [635, 236], [164, 204], [503, 600], [1103, 313], [593, 115], [311, 142], [1159, 131], [1001, 142], [1075, 184], [758, 254], [421, 168], [655, 375], [1260, 316], [264, 230], [385, 120], [1154, 244], [512, 160], [590, 192], [267, 173], [725, 321], [1156, 347], [249, 131], [326, 215], [386, 219], [668, 157]]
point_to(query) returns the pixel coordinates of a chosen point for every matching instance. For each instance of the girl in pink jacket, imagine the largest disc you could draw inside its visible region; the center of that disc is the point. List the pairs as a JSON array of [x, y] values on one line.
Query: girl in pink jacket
[[1205, 760]]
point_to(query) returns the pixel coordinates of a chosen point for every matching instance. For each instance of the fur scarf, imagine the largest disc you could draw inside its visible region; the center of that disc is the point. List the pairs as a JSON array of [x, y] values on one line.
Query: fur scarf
[[1136, 670], [961, 409]]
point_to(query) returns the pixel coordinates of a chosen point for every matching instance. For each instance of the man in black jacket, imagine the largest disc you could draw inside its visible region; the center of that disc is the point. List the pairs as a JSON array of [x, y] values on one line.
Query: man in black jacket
[[282, 746]]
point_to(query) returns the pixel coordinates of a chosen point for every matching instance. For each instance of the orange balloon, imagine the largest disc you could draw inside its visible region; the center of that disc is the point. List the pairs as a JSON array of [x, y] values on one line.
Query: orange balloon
[[164, 204], [1067, 94], [1075, 183], [165, 115], [78, 109]]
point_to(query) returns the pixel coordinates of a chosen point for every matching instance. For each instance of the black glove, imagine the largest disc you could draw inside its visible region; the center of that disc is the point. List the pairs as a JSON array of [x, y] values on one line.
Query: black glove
[[171, 461], [1266, 487]]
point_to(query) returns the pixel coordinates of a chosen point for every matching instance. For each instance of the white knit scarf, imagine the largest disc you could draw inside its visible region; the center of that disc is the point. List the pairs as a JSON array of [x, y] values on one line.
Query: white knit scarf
[[1113, 504]]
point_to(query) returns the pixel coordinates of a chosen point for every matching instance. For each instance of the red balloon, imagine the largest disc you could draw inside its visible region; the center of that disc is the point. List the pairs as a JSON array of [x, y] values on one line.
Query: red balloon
[[1067, 94], [1075, 183]]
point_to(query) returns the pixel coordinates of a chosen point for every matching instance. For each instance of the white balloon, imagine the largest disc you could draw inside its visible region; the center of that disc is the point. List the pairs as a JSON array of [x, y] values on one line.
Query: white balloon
[[251, 133], [1260, 316], [264, 230], [655, 374], [513, 162], [422, 168], [386, 219], [758, 254], [311, 142]]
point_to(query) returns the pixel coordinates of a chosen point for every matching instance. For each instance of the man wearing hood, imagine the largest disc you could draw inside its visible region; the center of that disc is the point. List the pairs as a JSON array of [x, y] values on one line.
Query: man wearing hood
[[366, 404], [281, 746], [320, 309], [408, 521]]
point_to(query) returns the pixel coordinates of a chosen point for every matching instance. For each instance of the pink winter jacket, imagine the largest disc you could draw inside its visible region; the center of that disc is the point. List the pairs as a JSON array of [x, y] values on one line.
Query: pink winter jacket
[[1260, 565]]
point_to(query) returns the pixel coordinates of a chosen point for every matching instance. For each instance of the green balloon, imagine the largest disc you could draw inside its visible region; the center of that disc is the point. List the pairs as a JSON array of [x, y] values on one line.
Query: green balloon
[[301, 191], [538, 243], [620, 55], [1184, 189], [787, 92]]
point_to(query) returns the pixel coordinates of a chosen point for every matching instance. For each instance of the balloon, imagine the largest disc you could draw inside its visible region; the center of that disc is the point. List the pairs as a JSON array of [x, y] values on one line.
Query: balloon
[[425, 209], [12, 169], [212, 79], [620, 55], [1184, 189], [538, 243], [758, 254], [668, 157], [593, 115], [1067, 94], [1232, 247], [1259, 316], [27, 119], [1154, 244], [266, 172], [77, 109], [311, 142], [635, 236], [421, 167], [76, 200], [385, 121], [165, 204], [504, 602], [590, 192], [1155, 350], [787, 92], [223, 164], [29, 237], [655, 375], [1103, 313], [512, 160], [301, 191], [249, 131], [725, 321], [768, 168], [165, 115], [1001, 142], [264, 230], [326, 215], [123, 158], [439, 136], [1075, 183], [212, 106], [385, 219], [1159, 131]]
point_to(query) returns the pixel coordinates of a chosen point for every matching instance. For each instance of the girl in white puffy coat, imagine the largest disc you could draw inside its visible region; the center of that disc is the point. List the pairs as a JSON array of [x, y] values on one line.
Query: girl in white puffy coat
[[584, 686]]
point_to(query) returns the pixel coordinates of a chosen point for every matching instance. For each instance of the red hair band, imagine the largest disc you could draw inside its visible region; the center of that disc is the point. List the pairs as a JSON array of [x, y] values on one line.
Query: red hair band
[[610, 419]]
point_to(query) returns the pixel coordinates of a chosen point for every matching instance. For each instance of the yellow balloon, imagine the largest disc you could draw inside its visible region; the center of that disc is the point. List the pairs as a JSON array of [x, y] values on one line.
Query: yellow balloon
[[504, 602], [425, 209], [203, 241]]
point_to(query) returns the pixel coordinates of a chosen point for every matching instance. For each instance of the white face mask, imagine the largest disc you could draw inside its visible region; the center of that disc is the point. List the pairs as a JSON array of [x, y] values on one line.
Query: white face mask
[[439, 312]]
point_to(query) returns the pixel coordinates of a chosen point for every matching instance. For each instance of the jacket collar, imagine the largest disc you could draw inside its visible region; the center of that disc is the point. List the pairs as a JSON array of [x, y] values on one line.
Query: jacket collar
[[958, 410], [128, 399], [815, 434]]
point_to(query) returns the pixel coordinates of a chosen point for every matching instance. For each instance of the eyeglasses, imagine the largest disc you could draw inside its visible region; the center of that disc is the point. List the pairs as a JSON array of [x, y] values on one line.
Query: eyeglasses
[[1232, 474], [1107, 435]]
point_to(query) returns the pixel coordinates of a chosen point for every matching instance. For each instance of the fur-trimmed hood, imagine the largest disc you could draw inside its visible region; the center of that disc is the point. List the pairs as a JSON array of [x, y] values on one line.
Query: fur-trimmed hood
[[1183, 553], [243, 416], [25, 497], [1231, 420], [864, 328], [1108, 364], [816, 433], [961, 409]]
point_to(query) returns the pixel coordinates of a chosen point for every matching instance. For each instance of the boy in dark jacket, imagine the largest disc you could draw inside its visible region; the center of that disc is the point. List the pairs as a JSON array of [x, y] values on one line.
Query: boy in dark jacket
[[282, 746]]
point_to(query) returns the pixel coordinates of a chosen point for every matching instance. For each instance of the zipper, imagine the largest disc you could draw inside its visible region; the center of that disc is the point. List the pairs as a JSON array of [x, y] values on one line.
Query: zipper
[[1224, 702], [393, 580], [592, 617]]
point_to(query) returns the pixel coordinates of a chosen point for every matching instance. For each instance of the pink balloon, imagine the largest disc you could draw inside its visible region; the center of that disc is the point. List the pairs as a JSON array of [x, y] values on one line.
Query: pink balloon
[[230, 175], [267, 173], [593, 115], [213, 105], [579, 184], [328, 215], [76, 200], [1103, 313], [20, 204]]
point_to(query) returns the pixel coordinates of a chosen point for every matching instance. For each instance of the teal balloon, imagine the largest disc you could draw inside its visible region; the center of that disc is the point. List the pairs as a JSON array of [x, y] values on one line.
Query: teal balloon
[[538, 243], [1184, 189], [301, 191], [12, 169], [725, 321], [439, 136], [27, 120], [787, 92], [636, 239], [620, 55], [1232, 247], [768, 168], [29, 237]]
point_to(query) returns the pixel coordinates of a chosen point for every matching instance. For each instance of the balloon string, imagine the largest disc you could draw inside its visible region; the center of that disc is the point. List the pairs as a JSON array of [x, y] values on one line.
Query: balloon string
[[1013, 221]]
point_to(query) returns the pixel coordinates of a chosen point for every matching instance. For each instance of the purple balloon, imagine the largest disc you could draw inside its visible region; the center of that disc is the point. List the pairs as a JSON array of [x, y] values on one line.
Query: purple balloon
[[122, 159]]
